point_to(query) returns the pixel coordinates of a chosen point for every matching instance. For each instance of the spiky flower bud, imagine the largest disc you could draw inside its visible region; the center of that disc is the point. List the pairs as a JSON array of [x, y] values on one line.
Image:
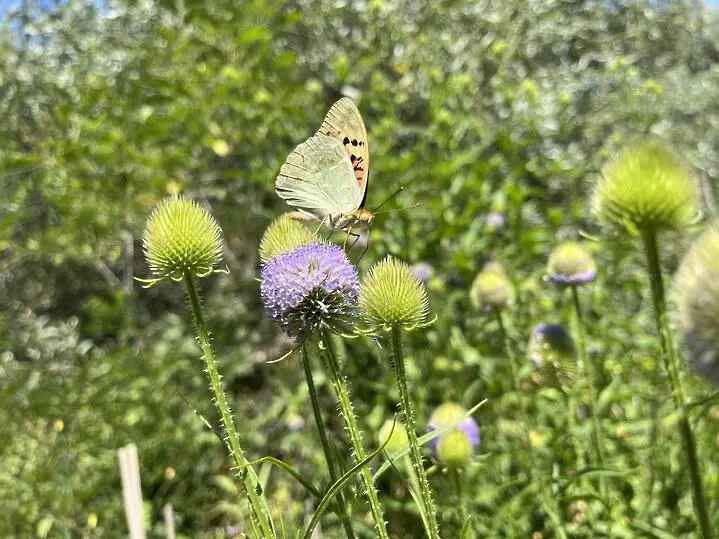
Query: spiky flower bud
[[393, 296], [456, 446], [491, 289], [696, 293], [570, 264], [284, 234], [552, 349], [645, 187], [397, 441], [311, 288], [181, 238]]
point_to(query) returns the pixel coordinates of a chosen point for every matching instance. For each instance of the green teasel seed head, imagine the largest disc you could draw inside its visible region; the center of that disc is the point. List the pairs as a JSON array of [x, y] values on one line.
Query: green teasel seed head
[[284, 235], [571, 265], [491, 289], [181, 238], [397, 441], [696, 293], [455, 449], [645, 187], [393, 296]]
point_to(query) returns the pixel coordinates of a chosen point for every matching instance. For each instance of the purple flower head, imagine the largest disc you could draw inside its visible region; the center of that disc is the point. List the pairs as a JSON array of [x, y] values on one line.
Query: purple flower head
[[450, 444], [550, 343], [422, 271], [571, 265], [310, 288]]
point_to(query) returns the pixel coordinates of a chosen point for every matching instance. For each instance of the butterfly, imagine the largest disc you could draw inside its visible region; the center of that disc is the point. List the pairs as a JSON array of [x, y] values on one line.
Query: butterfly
[[325, 177]]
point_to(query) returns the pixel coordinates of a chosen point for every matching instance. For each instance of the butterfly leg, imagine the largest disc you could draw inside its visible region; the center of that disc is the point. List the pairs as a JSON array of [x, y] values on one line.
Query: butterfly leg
[[366, 248]]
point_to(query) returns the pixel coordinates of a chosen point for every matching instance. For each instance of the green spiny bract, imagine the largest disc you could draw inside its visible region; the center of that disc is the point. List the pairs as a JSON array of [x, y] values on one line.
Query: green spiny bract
[[696, 293], [392, 296], [181, 238], [645, 187], [284, 235]]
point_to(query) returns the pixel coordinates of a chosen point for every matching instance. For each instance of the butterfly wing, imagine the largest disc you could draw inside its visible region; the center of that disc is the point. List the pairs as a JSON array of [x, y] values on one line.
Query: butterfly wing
[[318, 179], [344, 122]]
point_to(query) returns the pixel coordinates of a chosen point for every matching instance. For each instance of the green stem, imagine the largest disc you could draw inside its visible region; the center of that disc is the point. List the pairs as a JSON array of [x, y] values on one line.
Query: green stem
[[250, 483], [593, 386], [343, 513], [414, 453], [670, 361], [508, 350], [461, 499], [343, 398]]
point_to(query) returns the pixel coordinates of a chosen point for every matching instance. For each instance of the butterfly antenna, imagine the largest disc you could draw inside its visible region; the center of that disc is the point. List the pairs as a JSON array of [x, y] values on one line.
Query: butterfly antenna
[[398, 191], [415, 205]]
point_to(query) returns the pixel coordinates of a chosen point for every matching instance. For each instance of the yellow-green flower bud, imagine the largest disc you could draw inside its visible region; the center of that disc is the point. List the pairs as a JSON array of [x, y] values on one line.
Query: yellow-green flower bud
[[454, 449], [284, 235], [181, 238], [397, 441], [392, 295], [491, 289], [645, 187], [696, 293], [570, 264]]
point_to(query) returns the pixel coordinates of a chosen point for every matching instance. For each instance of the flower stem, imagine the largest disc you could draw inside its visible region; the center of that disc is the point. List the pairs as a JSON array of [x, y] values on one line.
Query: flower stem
[[593, 386], [343, 398], [414, 453], [649, 239], [253, 490], [343, 513], [508, 350], [461, 498]]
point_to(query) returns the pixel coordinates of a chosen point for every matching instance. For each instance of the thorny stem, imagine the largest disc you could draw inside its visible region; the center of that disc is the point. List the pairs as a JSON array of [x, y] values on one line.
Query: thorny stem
[[343, 513], [343, 398], [593, 385], [253, 490], [649, 239], [415, 455]]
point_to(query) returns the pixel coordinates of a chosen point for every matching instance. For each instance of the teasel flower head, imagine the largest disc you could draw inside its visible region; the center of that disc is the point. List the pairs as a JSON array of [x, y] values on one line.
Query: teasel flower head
[[181, 238], [309, 289], [696, 294], [397, 441], [571, 265], [392, 296], [284, 234], [645, 187], [492, 289], [552, 350], [457, 446]]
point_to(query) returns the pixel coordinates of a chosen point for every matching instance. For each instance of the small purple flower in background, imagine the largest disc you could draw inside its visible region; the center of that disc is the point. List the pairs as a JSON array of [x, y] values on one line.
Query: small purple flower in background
[[422, 271], [311, 288], [571, 265], [495, 219], [457, 445]]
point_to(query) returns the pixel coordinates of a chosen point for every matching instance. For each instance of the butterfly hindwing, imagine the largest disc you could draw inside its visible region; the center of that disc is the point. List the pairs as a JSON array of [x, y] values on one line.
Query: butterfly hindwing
[[318, 179], [344, 122]]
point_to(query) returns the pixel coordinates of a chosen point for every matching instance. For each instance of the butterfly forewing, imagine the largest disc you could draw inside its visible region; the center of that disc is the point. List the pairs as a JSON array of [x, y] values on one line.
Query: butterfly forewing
[[318, 179], [344, 122]]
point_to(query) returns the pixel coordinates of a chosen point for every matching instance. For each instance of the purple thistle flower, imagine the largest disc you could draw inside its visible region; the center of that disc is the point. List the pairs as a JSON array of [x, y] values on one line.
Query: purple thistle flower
[[445, 414], [311, 288]]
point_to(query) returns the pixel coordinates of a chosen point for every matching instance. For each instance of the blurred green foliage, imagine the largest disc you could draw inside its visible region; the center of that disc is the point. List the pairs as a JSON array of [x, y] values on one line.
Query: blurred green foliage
[[481, 108]]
